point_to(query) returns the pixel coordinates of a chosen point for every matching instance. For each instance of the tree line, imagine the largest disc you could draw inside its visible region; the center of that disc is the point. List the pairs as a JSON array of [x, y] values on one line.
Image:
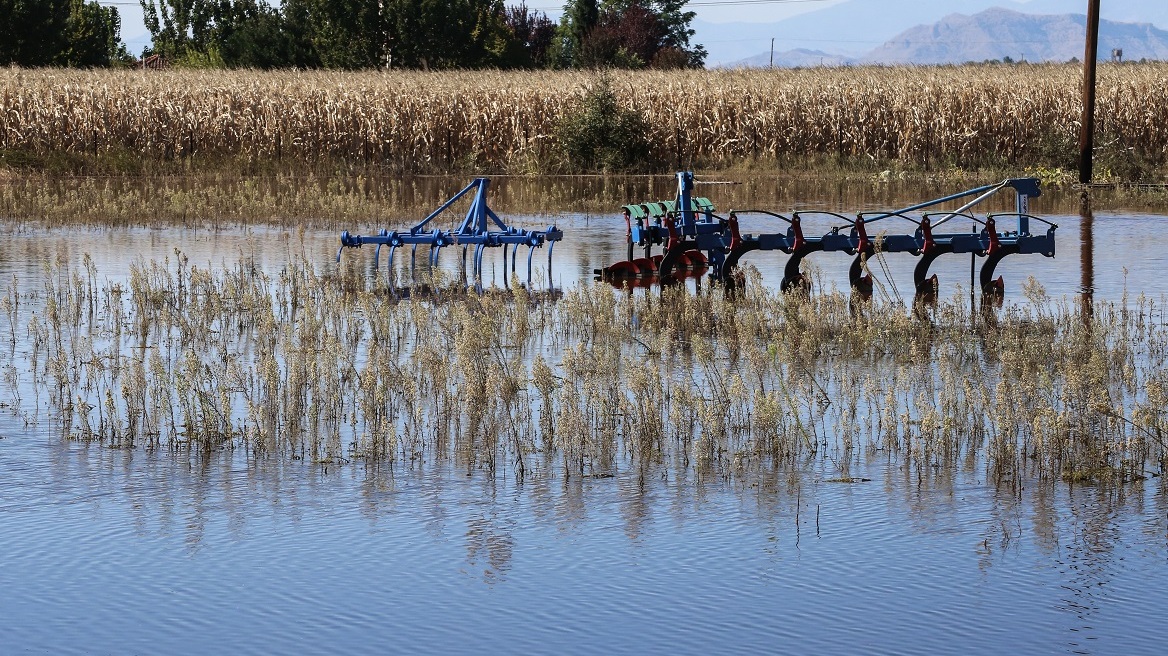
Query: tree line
[[60, 33], [356, 34]]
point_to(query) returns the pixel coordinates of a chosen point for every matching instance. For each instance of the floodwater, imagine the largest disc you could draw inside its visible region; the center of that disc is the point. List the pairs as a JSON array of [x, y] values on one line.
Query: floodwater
[[126, 551]]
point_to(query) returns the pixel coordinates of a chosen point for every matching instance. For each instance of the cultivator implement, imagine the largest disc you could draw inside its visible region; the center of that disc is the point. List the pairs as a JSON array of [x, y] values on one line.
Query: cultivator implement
[[698, 241], [475, 230], [691, 237]]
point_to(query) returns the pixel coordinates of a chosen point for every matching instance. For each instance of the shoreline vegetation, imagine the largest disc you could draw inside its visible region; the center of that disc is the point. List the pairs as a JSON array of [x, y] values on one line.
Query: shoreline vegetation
[[316, 366], [188, 141]]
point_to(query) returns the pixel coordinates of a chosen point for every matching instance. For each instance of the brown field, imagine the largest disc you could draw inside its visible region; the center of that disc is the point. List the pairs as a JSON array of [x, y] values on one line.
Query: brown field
[[928, 117]]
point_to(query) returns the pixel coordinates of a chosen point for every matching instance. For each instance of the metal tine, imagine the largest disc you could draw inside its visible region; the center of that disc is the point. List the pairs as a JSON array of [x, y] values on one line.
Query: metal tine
[[480, 226]]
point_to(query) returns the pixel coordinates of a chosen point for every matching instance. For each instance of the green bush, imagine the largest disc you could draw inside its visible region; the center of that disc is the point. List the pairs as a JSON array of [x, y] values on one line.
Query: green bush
[[600, 135]]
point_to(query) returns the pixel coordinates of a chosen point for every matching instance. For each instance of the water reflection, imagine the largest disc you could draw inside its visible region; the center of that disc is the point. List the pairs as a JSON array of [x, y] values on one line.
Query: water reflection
[[1051, 566], [1087, 254], [315, 203], [1127, 256], [490, 525], [1071, 550]]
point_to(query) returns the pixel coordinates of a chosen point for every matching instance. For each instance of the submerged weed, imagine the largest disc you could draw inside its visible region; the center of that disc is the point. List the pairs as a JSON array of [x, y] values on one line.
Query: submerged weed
[[299, 366]]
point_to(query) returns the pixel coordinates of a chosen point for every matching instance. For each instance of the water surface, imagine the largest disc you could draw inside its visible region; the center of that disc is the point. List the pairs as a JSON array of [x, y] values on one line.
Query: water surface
[[134, 551]]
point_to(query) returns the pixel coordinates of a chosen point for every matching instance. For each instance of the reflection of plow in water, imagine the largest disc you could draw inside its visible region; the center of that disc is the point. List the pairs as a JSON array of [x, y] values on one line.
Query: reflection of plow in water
[[475, 230], [697, 241]]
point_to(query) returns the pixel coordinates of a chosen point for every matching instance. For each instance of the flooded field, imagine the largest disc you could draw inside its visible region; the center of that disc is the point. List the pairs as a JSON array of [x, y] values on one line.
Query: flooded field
[[220, 439]]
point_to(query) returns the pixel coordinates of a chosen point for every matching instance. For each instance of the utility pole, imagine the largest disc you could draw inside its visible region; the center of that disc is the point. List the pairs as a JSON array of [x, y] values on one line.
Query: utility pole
[[1090, 58], [772, 52]]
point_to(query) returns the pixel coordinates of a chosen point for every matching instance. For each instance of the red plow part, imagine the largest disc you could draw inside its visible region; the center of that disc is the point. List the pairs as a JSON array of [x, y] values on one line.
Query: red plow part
[[623, 270], [692, 260], [645, 271], [647, 265]]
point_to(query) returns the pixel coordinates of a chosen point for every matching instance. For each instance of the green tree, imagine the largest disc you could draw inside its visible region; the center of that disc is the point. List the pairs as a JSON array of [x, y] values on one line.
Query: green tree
[[449, 34], [181, 30], [624, 38], [532, 33], [344, 34], [356, 34], [252, 34], [231, 33], [60, 33], [579, 19], [298, 29], [92, 37], [677, 23], [347, 34], [626, 34], [600, 135], [32, 32]]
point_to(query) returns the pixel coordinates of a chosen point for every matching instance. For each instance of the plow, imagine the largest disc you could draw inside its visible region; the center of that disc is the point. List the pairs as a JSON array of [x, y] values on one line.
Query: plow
[[480, 228], [693, 241]]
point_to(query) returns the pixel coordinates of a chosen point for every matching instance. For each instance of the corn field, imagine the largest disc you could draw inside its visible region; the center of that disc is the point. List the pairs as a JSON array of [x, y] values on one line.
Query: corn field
[[506, 121]]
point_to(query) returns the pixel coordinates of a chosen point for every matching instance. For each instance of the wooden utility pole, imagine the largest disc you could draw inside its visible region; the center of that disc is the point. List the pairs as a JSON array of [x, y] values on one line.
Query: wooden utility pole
[[1090, 58], [1086, 257]]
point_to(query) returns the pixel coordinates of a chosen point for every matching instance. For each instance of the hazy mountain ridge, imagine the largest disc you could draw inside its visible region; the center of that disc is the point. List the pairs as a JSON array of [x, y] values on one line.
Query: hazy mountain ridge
[[1001, 33], [855, 29], [797, 58], [992, 34]]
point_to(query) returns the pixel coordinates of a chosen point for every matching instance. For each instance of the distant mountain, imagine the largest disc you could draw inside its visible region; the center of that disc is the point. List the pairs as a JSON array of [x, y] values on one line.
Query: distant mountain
[[797, 58], [855, 27], [1123, 11], [1001, 33], [850, 28], [992, 34]]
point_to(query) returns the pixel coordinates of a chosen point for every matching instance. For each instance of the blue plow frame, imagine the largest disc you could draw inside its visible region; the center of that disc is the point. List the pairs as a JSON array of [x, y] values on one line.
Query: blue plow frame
[[475, 230], [692, 232]]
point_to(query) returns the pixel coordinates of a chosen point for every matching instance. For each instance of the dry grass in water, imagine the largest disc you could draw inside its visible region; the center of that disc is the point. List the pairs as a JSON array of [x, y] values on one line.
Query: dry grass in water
[[312, 365]]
